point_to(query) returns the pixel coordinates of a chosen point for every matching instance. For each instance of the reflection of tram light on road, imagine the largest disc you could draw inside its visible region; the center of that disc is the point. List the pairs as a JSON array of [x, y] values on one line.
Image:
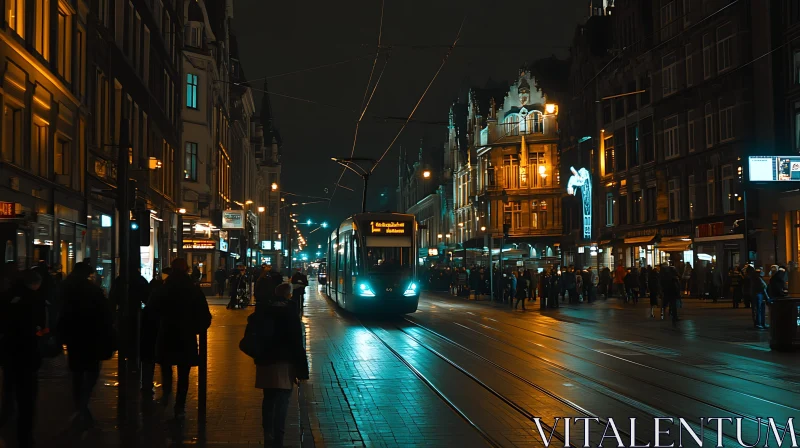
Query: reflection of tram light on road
[[371, 266]]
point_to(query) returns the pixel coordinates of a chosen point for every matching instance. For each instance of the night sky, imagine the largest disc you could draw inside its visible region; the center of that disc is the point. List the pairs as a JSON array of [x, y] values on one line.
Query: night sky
[[277, 37]]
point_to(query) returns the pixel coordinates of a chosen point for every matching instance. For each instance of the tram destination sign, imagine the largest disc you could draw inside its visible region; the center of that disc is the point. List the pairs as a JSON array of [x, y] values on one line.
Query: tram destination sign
[[389, 227], [774, 168]]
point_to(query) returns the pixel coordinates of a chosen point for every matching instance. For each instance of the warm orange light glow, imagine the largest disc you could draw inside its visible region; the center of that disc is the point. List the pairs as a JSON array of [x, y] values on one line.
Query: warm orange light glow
[[181, 211], [262, 209], [426, 174], [274, 186], [550, 108]]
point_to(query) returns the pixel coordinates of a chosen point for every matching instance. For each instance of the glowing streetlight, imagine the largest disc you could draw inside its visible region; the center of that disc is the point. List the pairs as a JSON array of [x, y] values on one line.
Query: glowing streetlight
[[324, 225], [483, 228], [550, 108], [439, 236], [426, 174], [308, 222], [262, 209], [274, 186], [182, 211], [248, 202]]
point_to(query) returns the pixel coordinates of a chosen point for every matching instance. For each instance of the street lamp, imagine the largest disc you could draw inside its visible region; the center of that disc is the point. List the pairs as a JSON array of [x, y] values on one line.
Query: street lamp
[[426, 174], [483, 228], [182, 211], [262, 209], [248, 202], [274, 186]]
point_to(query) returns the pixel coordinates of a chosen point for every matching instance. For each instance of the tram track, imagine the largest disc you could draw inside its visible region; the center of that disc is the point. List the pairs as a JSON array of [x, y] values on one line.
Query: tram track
[[502, 397], [605, 388]]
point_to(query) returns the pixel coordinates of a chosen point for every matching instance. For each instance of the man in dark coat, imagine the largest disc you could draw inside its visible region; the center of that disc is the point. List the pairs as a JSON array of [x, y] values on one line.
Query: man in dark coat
[[299, 283], [86, 327], [148, 336], [669, 281], [266, 284], [220, 276], [22, 318], [183, 313], [238, 279]]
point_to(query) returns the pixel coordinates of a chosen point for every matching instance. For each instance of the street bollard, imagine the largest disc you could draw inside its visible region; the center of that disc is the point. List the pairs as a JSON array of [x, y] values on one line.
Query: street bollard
[[202, 384]]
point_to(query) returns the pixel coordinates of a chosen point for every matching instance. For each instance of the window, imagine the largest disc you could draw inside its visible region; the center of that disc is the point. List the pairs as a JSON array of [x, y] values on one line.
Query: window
[[669, 79], [513, 214], [796, 61], [725, 122], [633, 146], [80, 45], [136, 50], [610, 209], [671, 148], [64, 42], [145, 69], [651, 202], [674, 190], [620, 157], [158, 8], [511, 171], [535, 124], [637, 209], [62, 158], [692, 197], [690, 130], [668, 14], [102, 12], [728, 190], [41, 38], [190, 162], [38, 162], [129, 35], [191, 91], [511, 125], [609, 154], [646, 140], [708, 45], [709, 121], [536, 161], [119, 22], [724, 37], [623, 209], [193, 35], [16, 16], [711, 195], [689, 66], [12, 134], [687, 13], [607, 112]]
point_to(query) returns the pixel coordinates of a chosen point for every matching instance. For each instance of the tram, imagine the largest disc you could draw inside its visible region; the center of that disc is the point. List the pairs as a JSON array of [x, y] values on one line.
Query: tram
[[371, 264]]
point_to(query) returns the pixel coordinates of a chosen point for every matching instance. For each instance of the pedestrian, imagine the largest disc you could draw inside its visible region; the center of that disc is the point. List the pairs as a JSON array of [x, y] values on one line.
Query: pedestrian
[[87, 329], [149, 335], [619, 281], [511, 287], [555, 287], [716, 283], [579, 286], [687, 279], [182, 311], [299, 284], [522, 290], [759, 296], [238, 285], [669, 280], [265, 285], [735, 281], [220, 277], [283, 363], [654, 287], [196, 273], [632, 285], [777, 283], [22, 320]]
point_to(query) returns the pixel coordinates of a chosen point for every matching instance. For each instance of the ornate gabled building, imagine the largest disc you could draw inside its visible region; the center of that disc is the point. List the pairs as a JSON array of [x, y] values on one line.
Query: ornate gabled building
[[267, 147], [517, 180]]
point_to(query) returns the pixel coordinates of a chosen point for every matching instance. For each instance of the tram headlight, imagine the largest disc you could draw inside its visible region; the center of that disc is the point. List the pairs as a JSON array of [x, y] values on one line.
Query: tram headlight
[[365, 291], [411, 290]]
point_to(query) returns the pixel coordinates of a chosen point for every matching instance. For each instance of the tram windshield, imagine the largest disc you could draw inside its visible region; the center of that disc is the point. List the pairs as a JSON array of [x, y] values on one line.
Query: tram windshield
[[388, 259]]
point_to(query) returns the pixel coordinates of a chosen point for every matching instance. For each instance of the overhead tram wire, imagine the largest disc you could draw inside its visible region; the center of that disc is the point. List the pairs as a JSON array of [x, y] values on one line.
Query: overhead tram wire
[[411, 115], [364, 101]]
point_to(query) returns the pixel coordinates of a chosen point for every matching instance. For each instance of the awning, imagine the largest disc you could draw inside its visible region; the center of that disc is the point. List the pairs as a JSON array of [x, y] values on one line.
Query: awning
[[640, 240], [735, 236], [675, 244]]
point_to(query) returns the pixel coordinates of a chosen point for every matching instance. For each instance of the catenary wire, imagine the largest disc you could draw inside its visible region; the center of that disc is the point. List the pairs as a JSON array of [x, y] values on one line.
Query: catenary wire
[[364, 101], [411, 115]]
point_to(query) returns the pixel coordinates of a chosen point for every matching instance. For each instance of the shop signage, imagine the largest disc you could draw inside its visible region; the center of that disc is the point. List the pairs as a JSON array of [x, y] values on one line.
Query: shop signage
[[223, 245], [38, 242], [199, 244], [7, 210], [233, 219], [774, 168], [432, 252], [581, 180], [105, 221], [268, 245], [388, 227]]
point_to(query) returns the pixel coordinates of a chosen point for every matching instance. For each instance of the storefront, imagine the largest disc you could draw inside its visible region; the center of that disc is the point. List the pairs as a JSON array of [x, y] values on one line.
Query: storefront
[[201, 254], [102, 241]]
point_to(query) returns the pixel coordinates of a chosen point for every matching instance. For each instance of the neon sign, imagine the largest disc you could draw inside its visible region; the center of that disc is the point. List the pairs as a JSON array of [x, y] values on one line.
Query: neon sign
[[7, 210], [581, 179], [387, 227]]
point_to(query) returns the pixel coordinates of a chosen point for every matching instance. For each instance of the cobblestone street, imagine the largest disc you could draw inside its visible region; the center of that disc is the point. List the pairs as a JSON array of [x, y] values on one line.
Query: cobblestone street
[[460, 373]]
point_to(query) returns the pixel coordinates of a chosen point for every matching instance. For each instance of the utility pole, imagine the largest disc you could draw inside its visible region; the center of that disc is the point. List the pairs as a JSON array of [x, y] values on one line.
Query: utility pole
[[352, 164]]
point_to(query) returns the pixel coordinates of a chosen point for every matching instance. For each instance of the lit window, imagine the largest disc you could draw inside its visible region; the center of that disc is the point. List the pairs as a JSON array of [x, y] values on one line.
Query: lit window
[[12, 134], [16, 16], [64, 44], [191, 91], [42, 28]]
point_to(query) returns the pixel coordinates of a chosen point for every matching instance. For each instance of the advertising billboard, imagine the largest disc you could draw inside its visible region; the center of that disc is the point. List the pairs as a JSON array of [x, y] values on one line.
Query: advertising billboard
[[233, 219], [774, 168]]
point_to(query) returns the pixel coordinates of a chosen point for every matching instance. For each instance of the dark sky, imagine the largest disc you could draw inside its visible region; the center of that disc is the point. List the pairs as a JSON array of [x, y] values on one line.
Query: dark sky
[[281, 36]]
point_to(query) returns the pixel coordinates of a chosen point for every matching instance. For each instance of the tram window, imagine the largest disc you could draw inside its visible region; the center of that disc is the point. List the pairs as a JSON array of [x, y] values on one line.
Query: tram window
[[388, 259]]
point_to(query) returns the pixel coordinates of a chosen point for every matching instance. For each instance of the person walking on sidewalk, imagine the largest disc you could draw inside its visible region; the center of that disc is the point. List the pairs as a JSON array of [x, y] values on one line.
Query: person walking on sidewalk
[[299, 284], [220, 276], [182, 311], [148, 337], [522, 290], [654, 287], [669, 280], [687, 279], [758, 293], [735, 282], [266, 284], [777, 283], [619, 281], [87, 329], [282, 363], [22, 319]]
